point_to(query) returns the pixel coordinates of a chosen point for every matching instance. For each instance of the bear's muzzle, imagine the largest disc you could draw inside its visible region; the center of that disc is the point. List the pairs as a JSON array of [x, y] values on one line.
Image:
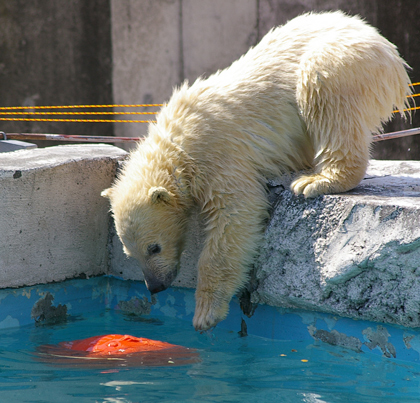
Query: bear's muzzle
[[157, 284]]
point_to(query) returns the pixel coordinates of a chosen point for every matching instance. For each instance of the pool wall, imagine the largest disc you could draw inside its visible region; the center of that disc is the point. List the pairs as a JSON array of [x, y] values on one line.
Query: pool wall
[[54, 304], [355, 255]]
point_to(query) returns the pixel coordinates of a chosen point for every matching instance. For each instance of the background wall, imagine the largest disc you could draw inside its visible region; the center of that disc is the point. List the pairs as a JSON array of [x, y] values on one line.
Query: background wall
[[136, 51]]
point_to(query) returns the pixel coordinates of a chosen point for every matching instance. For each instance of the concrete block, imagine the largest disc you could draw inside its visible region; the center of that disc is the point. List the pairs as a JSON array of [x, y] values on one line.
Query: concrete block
[[355, 254], [56, 53], [53, 220], [215, 33], [274, 13], [146, 45]]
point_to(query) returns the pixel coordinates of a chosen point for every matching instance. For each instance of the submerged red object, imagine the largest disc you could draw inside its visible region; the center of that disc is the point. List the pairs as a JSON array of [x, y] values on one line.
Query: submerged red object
[[116, 350]]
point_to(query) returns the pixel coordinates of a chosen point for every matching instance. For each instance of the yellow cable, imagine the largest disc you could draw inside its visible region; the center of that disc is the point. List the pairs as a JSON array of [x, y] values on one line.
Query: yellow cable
[[407, 110], [77, 113], [8, 108], [79, 106], [77, 120]]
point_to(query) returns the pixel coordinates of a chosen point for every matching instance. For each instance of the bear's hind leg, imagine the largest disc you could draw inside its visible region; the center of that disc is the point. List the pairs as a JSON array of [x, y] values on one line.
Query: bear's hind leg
[[332, 106], [336, 172], [345, 91]]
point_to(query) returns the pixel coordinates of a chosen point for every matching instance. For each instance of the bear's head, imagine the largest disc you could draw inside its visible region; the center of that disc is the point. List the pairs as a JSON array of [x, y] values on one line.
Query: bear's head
[[151, 224]]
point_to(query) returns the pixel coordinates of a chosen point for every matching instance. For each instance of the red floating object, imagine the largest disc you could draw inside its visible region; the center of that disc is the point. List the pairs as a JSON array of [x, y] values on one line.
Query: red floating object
[[111, 344], [116, 350]]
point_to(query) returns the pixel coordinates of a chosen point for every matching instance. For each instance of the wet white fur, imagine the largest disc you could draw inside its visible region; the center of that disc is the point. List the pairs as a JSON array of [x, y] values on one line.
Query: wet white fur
[[309, 95]]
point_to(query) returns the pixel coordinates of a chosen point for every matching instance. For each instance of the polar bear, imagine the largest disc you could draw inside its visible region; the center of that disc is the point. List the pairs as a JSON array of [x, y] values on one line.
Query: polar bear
[[308, 96]]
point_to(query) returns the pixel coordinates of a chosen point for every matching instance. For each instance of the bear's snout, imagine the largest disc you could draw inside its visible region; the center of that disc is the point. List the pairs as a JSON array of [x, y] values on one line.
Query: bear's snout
[[156, 287], [157, 284]]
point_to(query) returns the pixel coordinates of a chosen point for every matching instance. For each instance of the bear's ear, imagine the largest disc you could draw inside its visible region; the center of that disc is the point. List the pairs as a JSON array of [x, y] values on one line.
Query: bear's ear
[[160, 194], [107, 193]]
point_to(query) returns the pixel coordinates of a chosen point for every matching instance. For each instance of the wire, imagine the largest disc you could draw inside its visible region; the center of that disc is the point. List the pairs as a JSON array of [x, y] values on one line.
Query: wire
[[77, 113], [27, 110], [80, 106], [5, 111], [407, 110], [77, 120]]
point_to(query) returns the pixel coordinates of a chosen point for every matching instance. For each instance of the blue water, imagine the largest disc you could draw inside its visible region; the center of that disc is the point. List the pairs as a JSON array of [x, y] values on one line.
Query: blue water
[[232, 368]]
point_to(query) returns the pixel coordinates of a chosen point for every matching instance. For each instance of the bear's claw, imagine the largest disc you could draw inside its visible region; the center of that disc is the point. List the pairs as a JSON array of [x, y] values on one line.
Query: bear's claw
[[204, 322], [209, 312], [311, 185]]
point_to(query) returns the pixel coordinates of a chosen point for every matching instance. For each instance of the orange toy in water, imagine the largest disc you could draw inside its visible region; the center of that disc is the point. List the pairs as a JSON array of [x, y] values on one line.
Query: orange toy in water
[[111, 344], [116, 350]]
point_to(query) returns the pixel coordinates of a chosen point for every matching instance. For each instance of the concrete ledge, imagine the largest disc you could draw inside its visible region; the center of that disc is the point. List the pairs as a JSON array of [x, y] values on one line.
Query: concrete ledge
[[53, 220], [14, 145], [355, 254]]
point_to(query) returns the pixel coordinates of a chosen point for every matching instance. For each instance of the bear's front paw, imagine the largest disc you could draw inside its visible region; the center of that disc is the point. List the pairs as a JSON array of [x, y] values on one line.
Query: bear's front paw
[[209, 311], [311, 185]]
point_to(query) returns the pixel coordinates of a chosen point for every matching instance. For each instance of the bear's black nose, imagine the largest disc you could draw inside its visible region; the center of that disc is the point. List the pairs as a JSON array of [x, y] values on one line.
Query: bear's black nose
[[155, 286]]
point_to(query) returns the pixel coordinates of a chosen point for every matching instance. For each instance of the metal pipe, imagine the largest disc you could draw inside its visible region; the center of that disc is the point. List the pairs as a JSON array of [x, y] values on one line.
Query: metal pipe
[[395, 135], [112, 139], [70, 137]]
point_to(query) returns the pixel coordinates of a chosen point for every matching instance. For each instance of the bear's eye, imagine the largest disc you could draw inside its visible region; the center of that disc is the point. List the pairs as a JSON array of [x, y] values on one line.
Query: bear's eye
[[153, 249]]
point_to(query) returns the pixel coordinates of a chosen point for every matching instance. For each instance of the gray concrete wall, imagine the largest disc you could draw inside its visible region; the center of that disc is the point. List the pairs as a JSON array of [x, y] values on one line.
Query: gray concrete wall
[[146, 48], [136, 51], [158, 44]]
